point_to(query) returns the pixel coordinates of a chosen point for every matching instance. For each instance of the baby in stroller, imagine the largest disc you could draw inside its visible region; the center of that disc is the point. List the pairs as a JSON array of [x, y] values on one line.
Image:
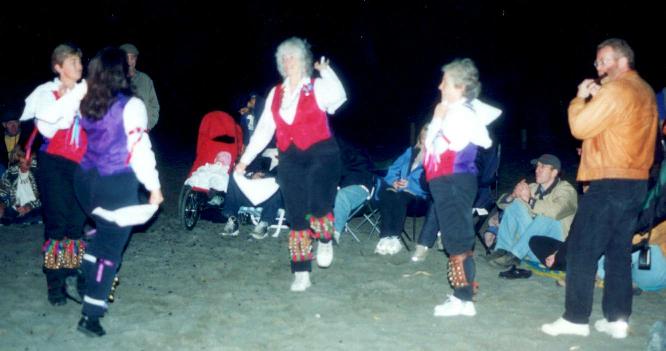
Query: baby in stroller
[[219, 142]]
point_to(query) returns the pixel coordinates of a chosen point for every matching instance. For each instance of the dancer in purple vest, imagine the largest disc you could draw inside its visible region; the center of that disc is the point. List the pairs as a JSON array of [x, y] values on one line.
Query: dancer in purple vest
[[309, 157], [118, 158]]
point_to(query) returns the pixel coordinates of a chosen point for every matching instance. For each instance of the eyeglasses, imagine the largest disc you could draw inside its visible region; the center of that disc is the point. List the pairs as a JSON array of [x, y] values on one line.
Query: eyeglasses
[[603, 62]]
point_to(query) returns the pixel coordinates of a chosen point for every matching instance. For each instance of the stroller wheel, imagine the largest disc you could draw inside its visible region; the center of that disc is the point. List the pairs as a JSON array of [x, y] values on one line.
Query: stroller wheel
[[188, 207]]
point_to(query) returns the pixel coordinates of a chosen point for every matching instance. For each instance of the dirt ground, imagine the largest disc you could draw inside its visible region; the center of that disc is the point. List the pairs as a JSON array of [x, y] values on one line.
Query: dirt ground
[[194, 290]]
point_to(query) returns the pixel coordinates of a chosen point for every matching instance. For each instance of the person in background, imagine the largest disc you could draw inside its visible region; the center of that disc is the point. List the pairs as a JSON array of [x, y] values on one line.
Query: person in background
[[545, 208], [14, 135], [616, 118], [309, 157], [142, 85], [402, 187], [356, 184], [119, 157], [235, 198], [19, 196], [249, 115]]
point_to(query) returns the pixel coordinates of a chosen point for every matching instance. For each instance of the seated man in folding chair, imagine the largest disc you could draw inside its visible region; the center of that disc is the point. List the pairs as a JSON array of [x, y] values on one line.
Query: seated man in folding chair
[[355, 188], [256, 188], [545, 207], [403, 185]]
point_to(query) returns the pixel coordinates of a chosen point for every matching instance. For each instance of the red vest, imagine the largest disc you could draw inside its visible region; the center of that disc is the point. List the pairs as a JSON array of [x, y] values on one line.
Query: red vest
[[310, 123], [60, 144]]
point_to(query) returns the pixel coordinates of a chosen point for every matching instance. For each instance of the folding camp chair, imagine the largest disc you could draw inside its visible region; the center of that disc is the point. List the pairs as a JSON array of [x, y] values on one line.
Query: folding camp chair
[[415, 210], [370, 214]]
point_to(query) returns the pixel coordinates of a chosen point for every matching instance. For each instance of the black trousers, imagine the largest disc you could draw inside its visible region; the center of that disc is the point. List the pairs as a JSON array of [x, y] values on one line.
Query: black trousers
[[63, 217], [543, 246], [453, 197], [61, 213], [393, 209], [308, 180], [104, 253], [604, 224]]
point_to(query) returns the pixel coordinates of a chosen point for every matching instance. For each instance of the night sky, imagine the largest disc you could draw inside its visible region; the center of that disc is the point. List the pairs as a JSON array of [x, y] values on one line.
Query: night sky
[[531, 54]]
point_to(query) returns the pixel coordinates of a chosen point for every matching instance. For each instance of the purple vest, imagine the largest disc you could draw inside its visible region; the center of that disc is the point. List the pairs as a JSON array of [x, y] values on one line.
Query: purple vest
[[107, 141]]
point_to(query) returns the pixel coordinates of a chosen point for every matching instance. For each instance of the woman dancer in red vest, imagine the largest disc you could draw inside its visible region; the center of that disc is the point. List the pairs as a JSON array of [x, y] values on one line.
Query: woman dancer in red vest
[[309, 157]]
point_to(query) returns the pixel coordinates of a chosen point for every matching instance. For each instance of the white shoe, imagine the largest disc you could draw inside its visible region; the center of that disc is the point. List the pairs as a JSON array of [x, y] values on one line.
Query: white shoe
[[301, 281], [325, 254], [381, 246], [454, 306], [420, 253], [393, 245], [260, 230], [231, 228], [618, 329], [563, 326]]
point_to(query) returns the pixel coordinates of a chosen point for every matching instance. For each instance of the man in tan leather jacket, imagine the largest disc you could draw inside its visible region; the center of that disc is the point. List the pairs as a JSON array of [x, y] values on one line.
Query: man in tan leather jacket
[[616, 117]]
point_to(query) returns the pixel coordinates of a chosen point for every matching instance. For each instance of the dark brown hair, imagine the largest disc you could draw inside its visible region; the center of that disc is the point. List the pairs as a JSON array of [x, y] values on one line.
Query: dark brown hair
[[107, 78]]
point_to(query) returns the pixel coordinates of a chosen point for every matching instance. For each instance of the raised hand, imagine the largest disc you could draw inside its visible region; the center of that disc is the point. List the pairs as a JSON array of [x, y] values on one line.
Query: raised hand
[[322, 64]]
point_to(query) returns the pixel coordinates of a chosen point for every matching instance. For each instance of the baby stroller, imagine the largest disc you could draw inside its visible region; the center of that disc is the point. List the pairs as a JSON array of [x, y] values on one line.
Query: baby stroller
[[219, 142]]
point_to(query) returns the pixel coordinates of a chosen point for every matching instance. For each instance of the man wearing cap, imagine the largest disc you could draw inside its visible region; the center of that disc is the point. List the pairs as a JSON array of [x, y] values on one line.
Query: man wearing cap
[[12, 136], [545, 208], [142, 85]]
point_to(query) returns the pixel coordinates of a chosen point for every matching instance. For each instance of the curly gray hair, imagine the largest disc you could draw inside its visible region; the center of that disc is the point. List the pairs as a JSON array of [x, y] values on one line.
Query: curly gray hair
[[463, 73], [300, 49]]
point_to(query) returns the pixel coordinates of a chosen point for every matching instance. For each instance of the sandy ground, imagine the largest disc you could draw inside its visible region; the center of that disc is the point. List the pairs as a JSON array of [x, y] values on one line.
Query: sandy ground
[[194, 290]]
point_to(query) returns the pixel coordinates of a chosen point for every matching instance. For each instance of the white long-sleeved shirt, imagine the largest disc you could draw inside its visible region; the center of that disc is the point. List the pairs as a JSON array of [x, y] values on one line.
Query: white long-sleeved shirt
[[53, 114], [142, 162], [462, 125], [329, 94]]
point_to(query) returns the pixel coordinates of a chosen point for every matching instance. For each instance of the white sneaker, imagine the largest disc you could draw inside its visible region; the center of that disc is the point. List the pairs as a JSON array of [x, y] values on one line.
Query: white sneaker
[[393, 245], [454, 306], [231, 227], [325, 254], [301, 281], [618, 329], [420, 253], [260, 230], [563, 326], [381, 246]]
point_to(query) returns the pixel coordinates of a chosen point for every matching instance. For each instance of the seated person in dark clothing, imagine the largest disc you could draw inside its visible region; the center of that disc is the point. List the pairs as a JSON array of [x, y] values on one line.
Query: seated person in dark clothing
[[356, 184], [552, 254], [258, 181], [402, 187], [15, 133], [19, 197]]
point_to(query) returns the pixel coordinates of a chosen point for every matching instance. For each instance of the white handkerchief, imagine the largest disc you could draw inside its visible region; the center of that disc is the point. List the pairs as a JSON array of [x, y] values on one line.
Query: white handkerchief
[[485, 112], [127, 216]]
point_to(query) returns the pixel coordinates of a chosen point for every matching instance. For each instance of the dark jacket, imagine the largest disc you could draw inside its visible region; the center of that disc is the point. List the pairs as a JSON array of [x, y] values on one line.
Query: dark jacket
[[26, 129], [356, 166]]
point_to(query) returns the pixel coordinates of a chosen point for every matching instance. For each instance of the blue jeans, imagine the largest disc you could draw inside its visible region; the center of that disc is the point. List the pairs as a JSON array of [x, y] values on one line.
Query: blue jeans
[[518, 227], [649, 280], [347, 200]]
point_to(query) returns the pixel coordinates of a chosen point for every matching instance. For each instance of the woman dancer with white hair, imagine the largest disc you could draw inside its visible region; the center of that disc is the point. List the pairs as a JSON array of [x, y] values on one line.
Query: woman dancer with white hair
[[310, 165], [457, 129]]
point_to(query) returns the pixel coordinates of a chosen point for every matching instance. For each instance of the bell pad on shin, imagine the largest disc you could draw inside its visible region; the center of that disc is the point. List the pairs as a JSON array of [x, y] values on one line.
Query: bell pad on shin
[[456, 274]]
